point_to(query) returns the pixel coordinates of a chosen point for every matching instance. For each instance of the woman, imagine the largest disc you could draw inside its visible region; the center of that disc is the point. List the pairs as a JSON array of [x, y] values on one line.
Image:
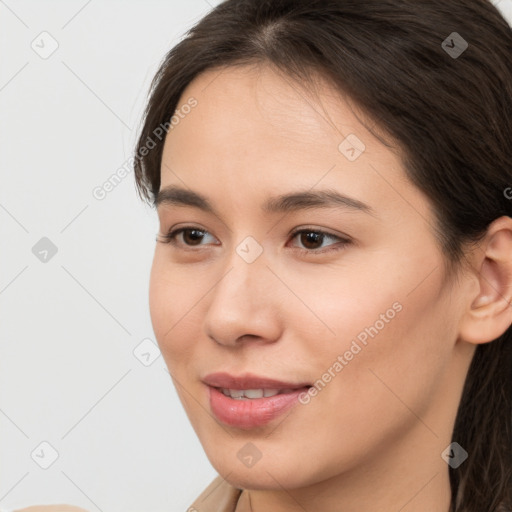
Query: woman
[[331, 287]]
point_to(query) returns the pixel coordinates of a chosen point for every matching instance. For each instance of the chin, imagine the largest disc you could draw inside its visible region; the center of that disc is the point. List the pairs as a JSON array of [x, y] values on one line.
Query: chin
[[262, 476]]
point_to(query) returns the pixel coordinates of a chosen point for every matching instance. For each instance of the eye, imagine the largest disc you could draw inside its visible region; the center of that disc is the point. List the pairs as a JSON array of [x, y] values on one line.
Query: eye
[[190, 236], [312, 239]]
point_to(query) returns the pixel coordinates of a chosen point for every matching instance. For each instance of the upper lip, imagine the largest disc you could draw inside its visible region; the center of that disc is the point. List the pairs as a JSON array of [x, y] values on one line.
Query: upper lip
[[248, 381]]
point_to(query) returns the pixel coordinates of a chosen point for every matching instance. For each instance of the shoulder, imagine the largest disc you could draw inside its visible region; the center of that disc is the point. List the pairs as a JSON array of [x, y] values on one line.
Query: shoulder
[[219, 496]]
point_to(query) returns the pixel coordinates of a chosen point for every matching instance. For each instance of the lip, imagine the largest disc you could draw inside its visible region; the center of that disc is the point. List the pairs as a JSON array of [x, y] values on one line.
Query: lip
[[249, 381], [252, 413]]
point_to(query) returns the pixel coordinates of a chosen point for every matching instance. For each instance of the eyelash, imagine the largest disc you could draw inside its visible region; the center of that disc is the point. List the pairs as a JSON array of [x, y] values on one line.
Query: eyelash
[[170, 238]]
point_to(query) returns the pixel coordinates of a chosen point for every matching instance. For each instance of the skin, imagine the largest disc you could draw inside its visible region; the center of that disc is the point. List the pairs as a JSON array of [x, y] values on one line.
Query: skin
[[372, 438]]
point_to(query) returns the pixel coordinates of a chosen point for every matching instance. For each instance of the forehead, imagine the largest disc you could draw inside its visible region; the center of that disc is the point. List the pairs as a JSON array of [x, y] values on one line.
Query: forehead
[[256, 105], [255, 133], [255, 118]]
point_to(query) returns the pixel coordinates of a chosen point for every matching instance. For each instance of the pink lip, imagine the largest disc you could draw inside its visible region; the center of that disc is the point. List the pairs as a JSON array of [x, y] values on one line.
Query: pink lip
[[256, 412], [248, 381]]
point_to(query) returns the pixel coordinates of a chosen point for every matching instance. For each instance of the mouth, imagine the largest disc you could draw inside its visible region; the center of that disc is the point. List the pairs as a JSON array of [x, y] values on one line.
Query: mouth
[[251, 394], [250, 401]]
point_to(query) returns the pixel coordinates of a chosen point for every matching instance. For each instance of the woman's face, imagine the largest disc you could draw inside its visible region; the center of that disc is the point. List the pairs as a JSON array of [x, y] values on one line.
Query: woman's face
[[364, 310]]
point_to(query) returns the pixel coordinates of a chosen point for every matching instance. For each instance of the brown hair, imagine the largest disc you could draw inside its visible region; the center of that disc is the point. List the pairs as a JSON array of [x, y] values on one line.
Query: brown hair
[[451, 116]]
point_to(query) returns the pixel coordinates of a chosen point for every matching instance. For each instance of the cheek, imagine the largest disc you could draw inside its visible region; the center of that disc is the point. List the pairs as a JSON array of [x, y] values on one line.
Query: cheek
[[166, 297], [175, 309], [386, 326]]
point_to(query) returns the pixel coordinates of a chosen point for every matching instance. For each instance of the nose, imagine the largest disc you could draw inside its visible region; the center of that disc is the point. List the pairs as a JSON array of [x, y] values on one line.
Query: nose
[[245, 304]]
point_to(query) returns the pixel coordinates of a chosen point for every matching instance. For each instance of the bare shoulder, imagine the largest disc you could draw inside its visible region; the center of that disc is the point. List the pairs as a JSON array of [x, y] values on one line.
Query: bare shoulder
[[52, 508]]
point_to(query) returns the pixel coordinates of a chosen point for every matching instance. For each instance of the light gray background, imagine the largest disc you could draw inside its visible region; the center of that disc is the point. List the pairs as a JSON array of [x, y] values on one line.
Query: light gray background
[[69, 325]]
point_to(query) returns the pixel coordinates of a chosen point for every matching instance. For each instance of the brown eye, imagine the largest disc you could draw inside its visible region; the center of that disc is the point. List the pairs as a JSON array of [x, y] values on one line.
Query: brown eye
[[312, 240], [190, 237]]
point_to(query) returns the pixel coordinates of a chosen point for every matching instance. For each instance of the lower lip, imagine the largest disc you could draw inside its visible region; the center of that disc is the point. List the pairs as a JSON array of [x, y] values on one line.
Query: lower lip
[[250, 413]]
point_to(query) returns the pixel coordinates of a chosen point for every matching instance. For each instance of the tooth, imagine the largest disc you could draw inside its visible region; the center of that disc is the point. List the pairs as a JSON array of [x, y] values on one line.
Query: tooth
[[249, 394], [253, 393]]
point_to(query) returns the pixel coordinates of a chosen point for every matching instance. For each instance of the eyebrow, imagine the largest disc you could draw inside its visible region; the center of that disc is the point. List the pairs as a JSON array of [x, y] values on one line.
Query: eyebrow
[[174, 195]]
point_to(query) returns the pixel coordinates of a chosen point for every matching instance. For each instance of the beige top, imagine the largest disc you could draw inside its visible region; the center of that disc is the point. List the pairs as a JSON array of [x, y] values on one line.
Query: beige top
[[220, 496]]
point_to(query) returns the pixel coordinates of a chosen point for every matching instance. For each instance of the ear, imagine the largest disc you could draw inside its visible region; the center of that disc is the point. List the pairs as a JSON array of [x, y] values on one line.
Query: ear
[[489, 311]]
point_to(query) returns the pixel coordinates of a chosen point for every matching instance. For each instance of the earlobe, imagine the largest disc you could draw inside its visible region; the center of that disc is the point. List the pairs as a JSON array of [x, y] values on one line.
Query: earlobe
[[489, 314]]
